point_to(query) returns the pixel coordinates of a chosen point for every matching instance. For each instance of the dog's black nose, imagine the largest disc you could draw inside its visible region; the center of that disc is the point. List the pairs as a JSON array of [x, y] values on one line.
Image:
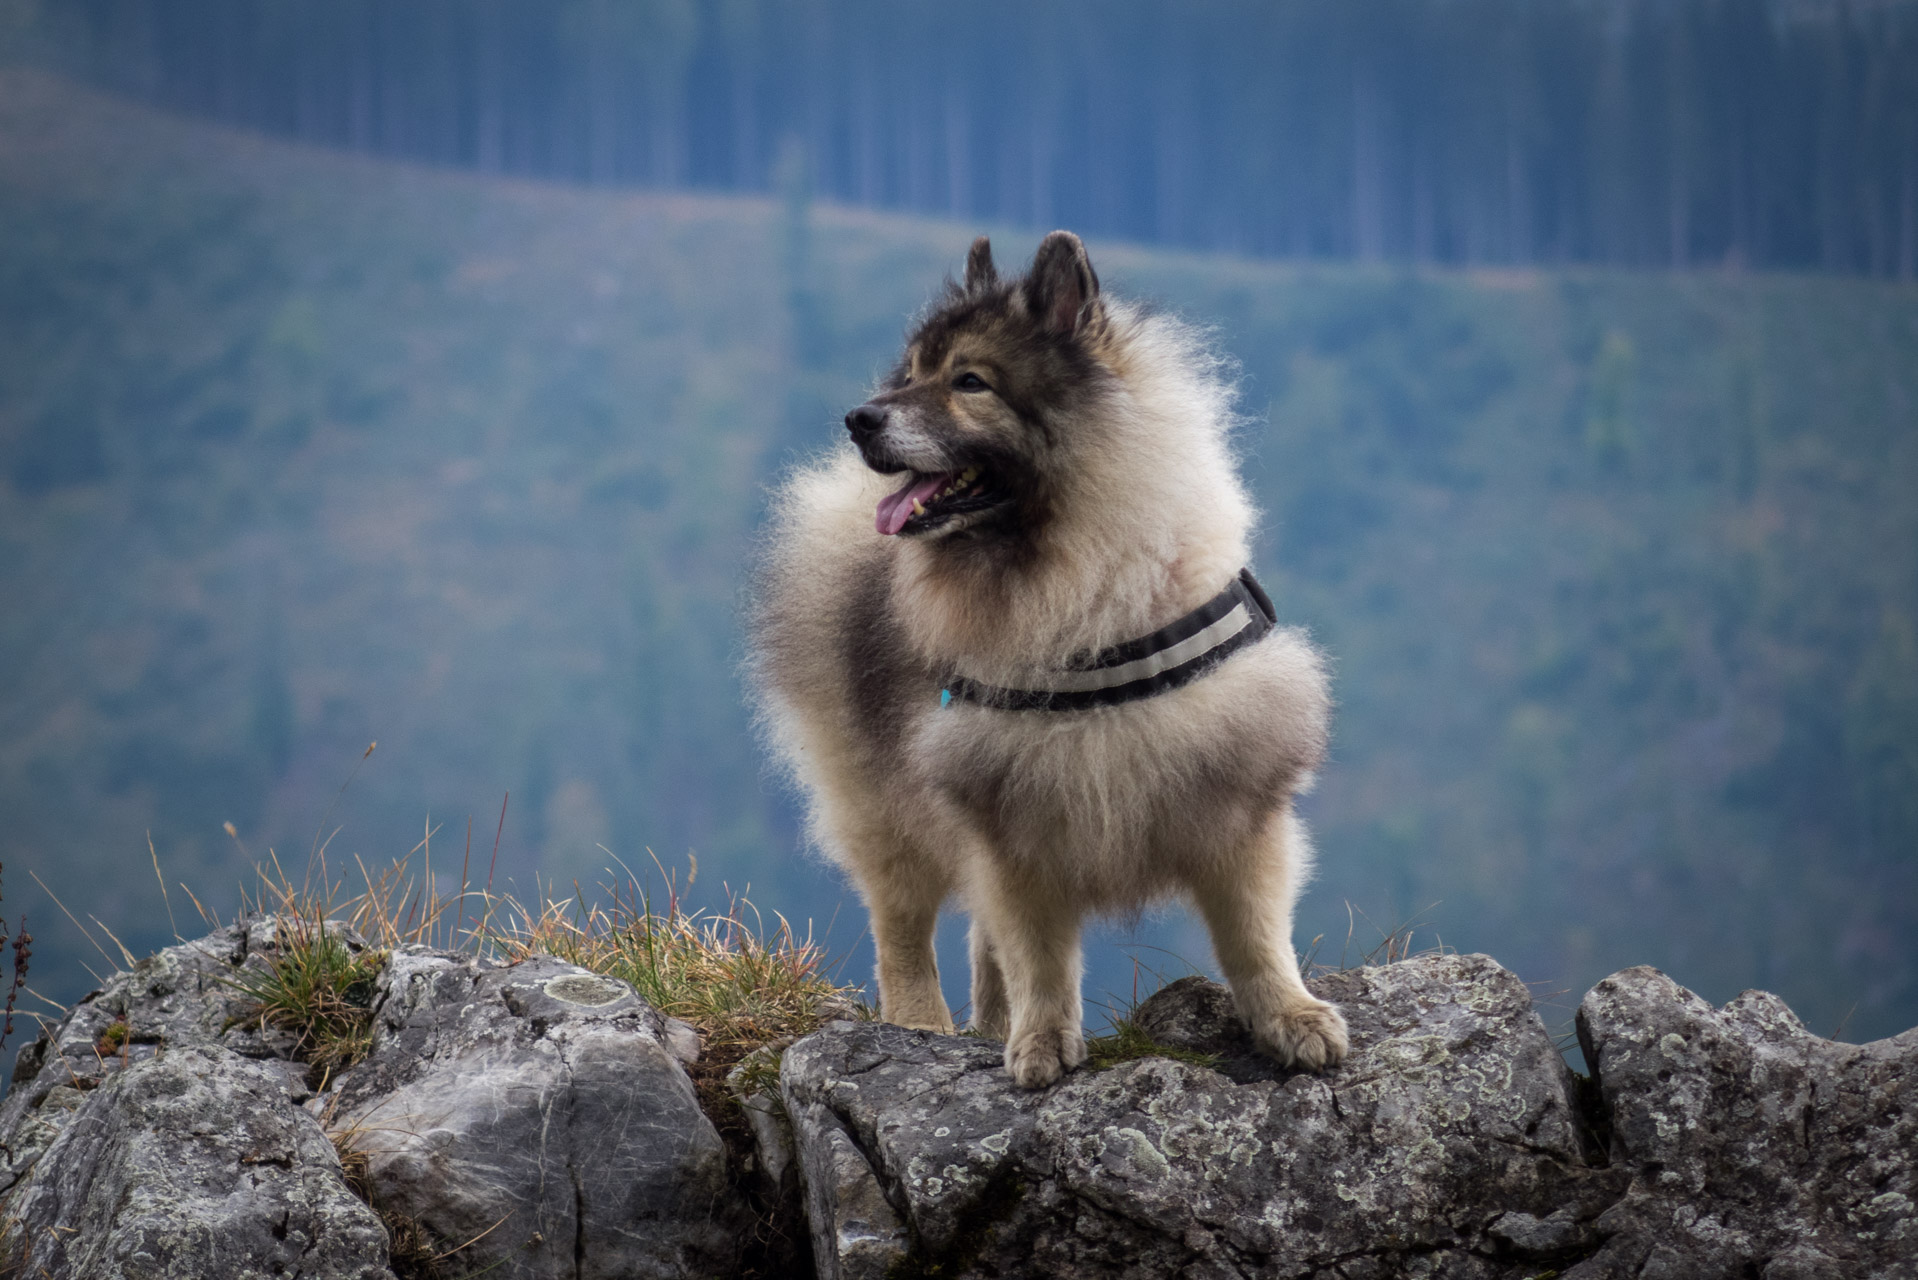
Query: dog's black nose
[[865, 422]]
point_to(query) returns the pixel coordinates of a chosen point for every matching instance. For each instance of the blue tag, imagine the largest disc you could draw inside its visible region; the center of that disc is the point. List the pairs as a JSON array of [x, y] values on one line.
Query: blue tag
[[945, 697]]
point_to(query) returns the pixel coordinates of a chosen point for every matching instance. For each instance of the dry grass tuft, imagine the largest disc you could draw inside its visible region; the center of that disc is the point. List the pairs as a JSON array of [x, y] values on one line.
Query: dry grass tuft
[[317, 983], [1394, 944], [1126, 1040], [740, 984]]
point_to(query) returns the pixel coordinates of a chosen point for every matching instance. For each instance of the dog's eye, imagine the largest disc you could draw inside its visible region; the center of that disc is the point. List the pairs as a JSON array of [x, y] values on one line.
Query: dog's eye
[[970, 382]]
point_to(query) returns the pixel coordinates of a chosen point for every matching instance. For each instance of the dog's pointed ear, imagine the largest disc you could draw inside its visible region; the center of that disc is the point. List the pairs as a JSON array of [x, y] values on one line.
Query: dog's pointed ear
[[979, 269], [1062, 290]]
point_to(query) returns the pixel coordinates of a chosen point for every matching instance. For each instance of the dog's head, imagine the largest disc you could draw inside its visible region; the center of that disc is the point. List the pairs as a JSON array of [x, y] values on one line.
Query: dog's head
[[985, 395]]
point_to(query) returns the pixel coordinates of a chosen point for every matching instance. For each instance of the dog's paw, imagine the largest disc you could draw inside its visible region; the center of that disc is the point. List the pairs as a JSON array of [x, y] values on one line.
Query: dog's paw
[[942, 1027], [1037, 1058], [926, 1012], [1312, 1036]]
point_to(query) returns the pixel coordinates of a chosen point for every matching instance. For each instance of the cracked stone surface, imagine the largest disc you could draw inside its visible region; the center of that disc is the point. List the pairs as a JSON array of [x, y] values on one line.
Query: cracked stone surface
[[539, 1115], [539, 1112], [178, 998], [1757, 1149], [190, 1163], [539, 1107], [1448, 1144]]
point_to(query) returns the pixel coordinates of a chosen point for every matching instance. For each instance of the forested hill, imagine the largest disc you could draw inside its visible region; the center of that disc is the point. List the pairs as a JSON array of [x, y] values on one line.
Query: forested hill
[[300, 450], [1625, 132]]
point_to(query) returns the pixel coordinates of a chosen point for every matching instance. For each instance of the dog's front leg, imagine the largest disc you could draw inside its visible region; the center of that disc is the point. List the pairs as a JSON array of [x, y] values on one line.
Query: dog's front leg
[[1035, 939], [1247, 904]]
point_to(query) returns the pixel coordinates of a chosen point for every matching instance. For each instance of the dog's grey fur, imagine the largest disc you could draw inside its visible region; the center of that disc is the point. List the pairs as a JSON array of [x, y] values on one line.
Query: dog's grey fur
[[1107, 505]]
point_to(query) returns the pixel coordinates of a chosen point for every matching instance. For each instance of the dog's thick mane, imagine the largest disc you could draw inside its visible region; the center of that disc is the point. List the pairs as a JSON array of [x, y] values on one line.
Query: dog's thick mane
[[1149, 522]]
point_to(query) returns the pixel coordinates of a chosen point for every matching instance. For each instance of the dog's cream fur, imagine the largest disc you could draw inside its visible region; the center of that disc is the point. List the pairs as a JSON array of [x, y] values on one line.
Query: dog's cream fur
[[1035, 819]]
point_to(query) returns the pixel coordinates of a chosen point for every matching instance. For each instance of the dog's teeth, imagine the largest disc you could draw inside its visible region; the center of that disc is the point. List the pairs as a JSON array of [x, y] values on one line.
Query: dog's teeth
[[919, 508], [968, 475]]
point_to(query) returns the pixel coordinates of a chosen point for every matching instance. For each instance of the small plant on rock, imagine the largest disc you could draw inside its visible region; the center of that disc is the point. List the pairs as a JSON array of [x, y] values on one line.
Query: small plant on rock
[[317, 982], [319, 987], [1128, 1040], [22, 943]]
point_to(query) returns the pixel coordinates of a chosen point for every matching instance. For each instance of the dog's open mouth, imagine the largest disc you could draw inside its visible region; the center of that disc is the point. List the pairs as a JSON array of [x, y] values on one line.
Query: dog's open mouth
[[927, 501]]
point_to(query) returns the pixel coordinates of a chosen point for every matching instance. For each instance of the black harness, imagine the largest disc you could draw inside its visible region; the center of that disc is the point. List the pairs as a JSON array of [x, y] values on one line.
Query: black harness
[[1172, 656]]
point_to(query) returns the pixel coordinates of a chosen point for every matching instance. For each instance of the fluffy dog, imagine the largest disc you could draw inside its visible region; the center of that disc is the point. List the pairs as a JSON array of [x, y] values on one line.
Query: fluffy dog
[[975, 631]]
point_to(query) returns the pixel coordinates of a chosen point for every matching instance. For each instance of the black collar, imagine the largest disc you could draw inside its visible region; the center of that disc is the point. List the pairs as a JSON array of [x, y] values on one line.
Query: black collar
[[1173, 655]]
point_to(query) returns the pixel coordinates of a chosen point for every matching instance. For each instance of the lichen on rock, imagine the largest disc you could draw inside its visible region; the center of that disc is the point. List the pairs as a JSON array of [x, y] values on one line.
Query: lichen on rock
[[1454, 1108], [535, 1120], [192, 1163], [1757, 1148]]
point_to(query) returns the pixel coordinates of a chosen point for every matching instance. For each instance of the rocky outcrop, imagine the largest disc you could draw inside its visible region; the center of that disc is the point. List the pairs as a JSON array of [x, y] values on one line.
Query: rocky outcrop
[[1756, 1148], [191, 1163], [538, 1111], [181, 996], [155, 1131], [539, 1119], [1452, 1142], [1445, 1145], [531, 1120]]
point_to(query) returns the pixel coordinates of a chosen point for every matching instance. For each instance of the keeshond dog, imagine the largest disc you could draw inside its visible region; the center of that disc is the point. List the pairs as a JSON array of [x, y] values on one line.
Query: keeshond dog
[[1005, 640]]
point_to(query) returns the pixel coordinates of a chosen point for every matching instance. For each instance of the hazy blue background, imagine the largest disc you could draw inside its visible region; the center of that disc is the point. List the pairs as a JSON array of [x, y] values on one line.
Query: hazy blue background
[[413, 372]]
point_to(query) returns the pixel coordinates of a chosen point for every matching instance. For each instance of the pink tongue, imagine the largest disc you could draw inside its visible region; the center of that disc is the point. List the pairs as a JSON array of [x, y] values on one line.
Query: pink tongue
[[896, 508]]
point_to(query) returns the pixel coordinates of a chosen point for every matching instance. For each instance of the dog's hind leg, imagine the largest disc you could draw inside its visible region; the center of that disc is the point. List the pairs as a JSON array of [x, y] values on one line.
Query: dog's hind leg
[[903, 885], [1247, 904], [991, 1015], [904, 901], [1035, 939], [909, 992]]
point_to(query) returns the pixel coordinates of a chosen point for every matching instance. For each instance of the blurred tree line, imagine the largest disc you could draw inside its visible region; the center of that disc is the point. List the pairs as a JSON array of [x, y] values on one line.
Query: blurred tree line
[[1776, 133], [299, 450]]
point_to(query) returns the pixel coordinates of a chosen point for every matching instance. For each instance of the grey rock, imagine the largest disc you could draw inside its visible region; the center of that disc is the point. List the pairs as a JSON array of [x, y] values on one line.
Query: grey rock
[[189, 1163], [777, 1161], [178, 998], [682, 1041], [1453, 1113], [538, 1107], [1526, 1234], [853, 1225], [1756, 1147], [537, 1115]]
